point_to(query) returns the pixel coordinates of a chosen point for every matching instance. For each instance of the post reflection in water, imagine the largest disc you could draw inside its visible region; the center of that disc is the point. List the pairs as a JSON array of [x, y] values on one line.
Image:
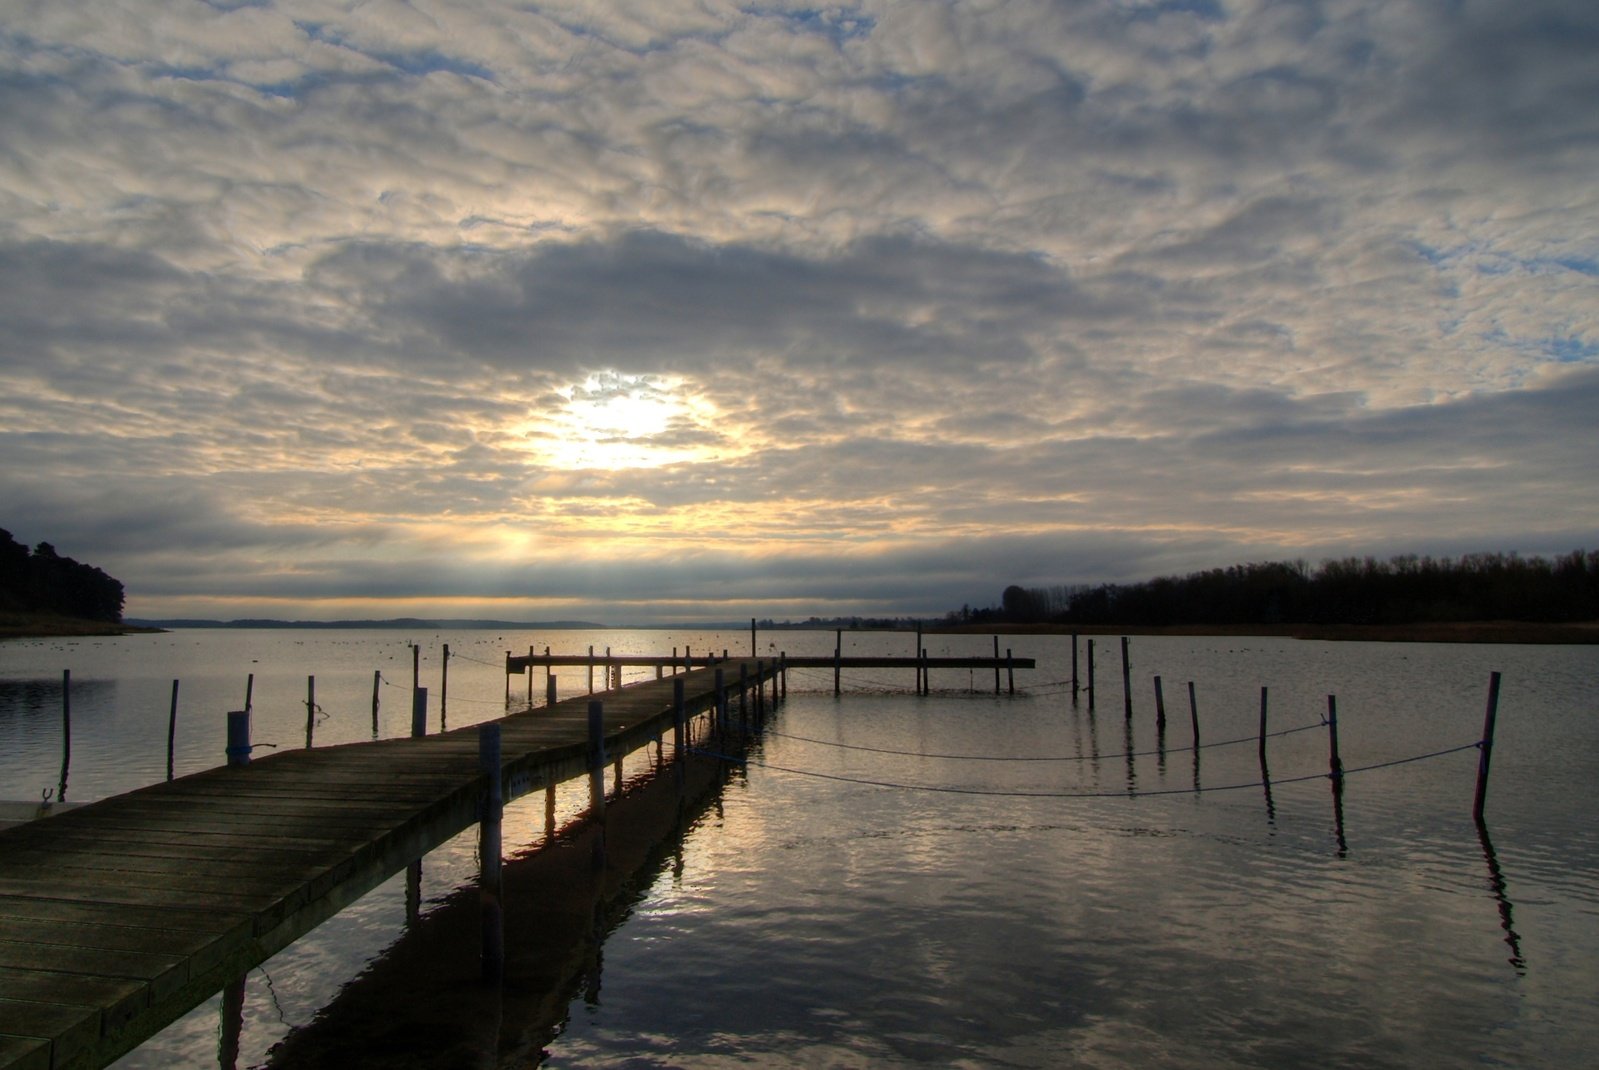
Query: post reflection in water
[[1496, 881], [425, 996], [232, 1024]]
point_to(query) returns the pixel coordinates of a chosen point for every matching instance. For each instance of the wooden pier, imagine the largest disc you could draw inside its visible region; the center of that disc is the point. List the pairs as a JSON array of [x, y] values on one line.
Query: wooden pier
[[118, 917]]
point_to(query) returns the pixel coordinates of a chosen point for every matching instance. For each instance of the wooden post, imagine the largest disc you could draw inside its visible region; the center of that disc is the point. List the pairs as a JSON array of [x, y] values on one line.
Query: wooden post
[[66, 732], [416, 665], [1335, 764], [590, 664], [444, 687], [1127, 682], [1193, 715], [232, 1024], [1485, 749], [921, 657], [754, 650], [549, 690], [1160, 709], [530, 674], [1010, 671], [1263, 775], [996, 664], [310, 709], [492, 910], [782, 672], [838, 659], [249, 693], [1074, 669], [927, 682], [679, 731], [419, 712], [377, 681], [674, 661], [1090, 676], [508, 678], [172, 728], [238, 737]]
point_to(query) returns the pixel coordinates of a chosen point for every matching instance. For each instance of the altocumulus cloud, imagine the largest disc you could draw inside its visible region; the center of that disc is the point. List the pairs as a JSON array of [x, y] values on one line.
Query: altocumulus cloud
[[662, 310]]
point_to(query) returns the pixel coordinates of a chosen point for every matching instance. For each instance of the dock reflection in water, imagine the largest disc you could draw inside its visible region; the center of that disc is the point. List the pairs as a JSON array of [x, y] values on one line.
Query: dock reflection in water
[[423, 1003]]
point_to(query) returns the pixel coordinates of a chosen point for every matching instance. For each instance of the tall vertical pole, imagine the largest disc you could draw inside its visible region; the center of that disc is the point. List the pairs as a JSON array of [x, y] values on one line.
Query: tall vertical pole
[[249, 693], [1127, 682], [1193, 715], [66, 732], [1485, 749], [754, 650], [1262, 731], [377, 681], [444, 687], [590, 664], [921, 657], [996, 664], [1010, 672], [172, 728], [416, 665], [310, 709], [1090, 676], [419, 712], [1335, 764], [550, 690], [1074, 668], [838, 659], [1160, 709]]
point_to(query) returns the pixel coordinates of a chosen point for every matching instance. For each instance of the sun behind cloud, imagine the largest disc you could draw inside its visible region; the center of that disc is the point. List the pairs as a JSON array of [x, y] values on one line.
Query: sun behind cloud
[[612, 421]]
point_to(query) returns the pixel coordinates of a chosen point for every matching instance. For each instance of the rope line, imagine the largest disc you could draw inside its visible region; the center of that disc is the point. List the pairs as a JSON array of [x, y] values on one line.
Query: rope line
[[1045, 757], [1081, 794]]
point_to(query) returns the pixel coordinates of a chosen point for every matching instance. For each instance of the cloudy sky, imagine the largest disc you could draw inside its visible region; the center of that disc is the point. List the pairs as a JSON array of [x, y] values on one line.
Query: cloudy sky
[[693, 309]]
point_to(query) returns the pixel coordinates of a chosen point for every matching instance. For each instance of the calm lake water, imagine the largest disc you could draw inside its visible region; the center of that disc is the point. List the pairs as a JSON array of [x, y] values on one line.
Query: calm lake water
[[959, 879]]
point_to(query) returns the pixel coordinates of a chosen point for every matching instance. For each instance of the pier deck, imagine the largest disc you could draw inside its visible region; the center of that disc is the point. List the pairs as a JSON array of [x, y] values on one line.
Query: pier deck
[[119, 916]]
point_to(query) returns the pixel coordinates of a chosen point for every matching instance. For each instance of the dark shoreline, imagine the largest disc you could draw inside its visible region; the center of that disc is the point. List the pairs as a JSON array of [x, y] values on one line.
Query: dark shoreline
[[44, 626], [1491, 632]]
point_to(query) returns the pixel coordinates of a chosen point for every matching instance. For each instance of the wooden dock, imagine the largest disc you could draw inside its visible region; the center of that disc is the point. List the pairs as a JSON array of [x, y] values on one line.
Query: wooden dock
[[119, 916]]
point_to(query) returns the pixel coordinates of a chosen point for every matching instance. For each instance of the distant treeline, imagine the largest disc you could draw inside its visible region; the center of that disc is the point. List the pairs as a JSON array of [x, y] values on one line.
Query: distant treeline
[[1401, 590], [42, 581]]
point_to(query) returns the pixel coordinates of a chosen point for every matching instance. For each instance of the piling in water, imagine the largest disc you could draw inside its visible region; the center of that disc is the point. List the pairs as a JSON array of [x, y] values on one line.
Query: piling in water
[[1127, 682], [1485, 748]]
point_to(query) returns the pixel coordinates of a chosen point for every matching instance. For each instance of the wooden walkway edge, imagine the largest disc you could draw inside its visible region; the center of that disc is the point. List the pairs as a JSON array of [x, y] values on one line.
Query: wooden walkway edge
[[119, 916]]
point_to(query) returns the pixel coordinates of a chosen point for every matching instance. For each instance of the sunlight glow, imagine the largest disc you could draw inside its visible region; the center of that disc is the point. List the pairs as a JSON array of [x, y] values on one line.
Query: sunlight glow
[[614, 421]]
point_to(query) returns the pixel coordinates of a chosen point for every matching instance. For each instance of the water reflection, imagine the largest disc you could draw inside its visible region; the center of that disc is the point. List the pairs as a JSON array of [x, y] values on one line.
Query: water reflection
[[424, 998], [1496, 881]]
